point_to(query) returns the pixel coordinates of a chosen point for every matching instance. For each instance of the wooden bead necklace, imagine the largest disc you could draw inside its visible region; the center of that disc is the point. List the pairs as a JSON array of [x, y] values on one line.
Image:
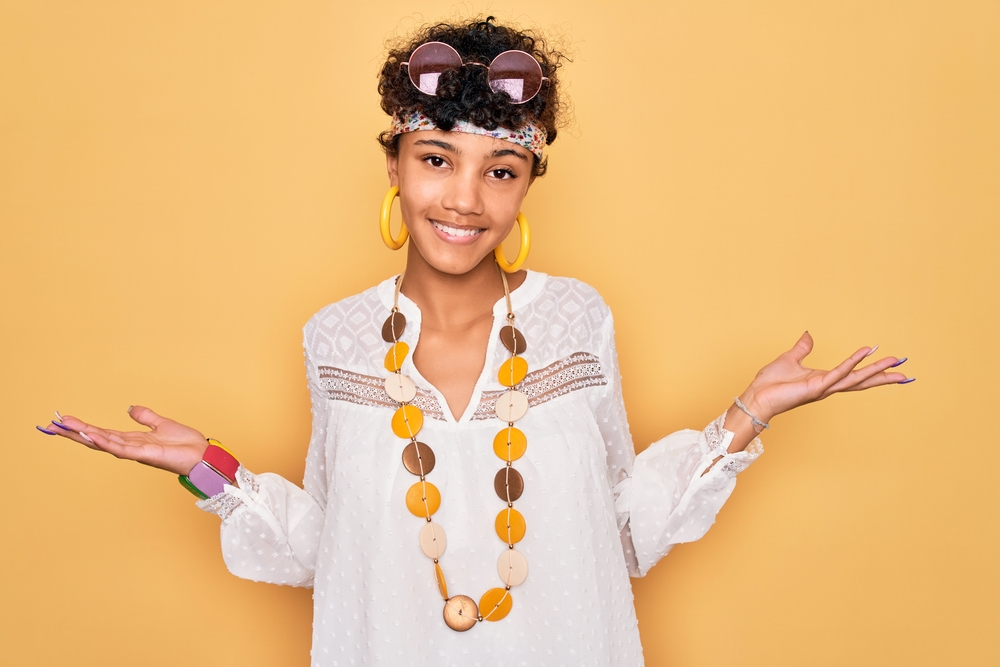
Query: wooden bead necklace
[[423, 498]]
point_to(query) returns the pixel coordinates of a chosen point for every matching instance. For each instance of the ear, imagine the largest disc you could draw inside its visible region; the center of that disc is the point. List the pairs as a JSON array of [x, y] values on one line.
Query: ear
[[392, 167]]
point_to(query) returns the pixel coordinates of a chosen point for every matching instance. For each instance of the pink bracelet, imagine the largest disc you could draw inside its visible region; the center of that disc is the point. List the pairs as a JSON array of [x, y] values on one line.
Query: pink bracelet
[[210, 475]]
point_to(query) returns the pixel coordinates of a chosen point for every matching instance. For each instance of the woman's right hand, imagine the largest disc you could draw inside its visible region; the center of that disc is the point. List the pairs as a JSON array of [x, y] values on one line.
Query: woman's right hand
[[167, 445]]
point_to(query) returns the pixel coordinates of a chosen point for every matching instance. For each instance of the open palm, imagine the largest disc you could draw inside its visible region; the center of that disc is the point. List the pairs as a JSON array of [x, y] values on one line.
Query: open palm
[[167, 444]]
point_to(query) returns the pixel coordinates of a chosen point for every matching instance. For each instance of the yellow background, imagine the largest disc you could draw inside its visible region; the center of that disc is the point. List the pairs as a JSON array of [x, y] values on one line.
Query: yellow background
[[182, 184]]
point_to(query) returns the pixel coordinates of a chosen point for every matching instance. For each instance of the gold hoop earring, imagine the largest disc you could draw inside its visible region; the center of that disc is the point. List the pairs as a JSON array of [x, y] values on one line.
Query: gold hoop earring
[[522, 254], [383, 222]]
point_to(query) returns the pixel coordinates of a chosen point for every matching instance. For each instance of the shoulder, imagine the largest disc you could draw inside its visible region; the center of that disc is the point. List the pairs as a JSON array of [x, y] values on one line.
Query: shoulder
[[346, 329], [569, 297], [568, 316]]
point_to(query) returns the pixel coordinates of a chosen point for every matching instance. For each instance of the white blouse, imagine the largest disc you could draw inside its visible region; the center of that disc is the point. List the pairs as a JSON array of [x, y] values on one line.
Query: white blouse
[[595, 512]]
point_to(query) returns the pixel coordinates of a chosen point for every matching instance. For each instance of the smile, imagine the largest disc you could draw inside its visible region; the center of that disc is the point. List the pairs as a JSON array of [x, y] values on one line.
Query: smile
[[456, 231]]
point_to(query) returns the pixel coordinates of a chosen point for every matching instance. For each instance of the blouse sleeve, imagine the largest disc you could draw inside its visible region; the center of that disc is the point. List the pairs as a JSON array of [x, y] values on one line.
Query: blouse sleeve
[[271, 527], [671, 492]]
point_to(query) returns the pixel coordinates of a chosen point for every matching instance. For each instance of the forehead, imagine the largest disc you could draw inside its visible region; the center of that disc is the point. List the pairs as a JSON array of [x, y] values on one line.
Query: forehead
[[463, 144]]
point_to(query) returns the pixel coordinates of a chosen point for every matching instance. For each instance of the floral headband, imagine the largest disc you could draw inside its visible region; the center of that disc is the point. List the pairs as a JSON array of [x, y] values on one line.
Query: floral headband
[[530, 136]]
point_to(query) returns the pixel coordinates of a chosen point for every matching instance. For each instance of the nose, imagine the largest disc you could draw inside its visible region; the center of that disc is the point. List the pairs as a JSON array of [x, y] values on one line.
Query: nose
[[463, 195]]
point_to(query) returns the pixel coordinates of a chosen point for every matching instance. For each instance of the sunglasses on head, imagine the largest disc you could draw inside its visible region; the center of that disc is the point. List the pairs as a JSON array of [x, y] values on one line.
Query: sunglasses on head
[[514, 72]]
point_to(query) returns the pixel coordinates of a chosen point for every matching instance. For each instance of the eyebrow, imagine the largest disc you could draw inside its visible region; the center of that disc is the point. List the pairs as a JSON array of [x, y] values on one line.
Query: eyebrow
[[436, 142], [503, 152], [444, 145]]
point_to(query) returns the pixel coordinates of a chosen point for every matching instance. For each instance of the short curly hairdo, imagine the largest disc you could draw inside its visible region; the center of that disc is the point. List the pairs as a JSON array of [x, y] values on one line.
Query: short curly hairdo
[[465, 94]]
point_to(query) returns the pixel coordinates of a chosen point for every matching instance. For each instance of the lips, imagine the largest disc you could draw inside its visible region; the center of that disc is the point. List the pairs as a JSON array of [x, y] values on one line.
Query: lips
[[458, 232]]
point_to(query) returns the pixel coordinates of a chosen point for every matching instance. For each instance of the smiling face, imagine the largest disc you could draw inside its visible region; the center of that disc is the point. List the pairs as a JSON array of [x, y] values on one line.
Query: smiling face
[[459, 194]]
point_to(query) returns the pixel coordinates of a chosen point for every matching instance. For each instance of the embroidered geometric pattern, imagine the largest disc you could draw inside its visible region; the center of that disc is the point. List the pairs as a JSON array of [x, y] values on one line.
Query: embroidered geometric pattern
[[577, 371]]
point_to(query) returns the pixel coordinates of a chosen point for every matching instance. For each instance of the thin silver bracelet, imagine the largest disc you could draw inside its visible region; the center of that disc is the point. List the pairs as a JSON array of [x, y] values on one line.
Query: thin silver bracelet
[[758, 425]]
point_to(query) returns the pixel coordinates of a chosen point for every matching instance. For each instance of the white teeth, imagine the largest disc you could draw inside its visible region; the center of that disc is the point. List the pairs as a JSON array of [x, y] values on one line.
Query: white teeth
[[454, 231]]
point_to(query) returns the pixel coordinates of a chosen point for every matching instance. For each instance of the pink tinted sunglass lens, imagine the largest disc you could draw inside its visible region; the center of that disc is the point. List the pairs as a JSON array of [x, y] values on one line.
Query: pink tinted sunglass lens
[[517, 74], [428, 62]]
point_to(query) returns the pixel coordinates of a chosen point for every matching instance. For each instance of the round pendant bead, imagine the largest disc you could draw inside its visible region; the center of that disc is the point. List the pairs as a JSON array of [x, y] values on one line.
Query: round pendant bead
[[510, 526], [400, 388], [512, 371], [407, 421], [512, 567], [418, 458], [432, 541], [393, 327], [510, 443], [395, 356], [495, 604], [512, 339], [460, 613], [508, 484], [423, 499], [511, 406]]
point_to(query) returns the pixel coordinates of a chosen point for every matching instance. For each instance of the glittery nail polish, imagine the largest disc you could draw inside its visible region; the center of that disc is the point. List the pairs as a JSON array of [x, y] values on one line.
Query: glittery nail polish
[[46, 431], [907, 381], [900, 362], [62, 426]]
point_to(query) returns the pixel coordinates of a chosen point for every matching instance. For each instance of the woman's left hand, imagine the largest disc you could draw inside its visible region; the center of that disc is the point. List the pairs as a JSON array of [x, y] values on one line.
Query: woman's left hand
[[785, 383]]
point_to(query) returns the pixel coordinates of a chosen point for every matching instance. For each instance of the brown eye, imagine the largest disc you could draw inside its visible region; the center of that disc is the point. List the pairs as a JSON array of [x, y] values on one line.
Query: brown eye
[[501, 174]]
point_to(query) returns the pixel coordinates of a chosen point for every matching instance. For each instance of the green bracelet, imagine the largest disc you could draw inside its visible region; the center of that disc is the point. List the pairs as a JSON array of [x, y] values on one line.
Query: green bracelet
[[186, 483]]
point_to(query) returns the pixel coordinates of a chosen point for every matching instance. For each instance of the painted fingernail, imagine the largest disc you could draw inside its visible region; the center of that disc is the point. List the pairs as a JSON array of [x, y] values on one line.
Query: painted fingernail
[[900, 362], [62, 426], [130, 409], [86, 437], [46, 431], [907, 381], [872, 351], [58, 417]]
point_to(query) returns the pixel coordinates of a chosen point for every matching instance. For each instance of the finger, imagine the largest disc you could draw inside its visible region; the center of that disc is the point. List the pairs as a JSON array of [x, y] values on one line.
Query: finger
[[835, 375], [54, 429], [860, 375], [878, 381], [145, 416], [803, 346]]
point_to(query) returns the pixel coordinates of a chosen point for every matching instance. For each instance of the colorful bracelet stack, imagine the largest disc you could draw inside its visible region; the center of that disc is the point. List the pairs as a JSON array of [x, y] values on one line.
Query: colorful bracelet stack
[[217, 468]]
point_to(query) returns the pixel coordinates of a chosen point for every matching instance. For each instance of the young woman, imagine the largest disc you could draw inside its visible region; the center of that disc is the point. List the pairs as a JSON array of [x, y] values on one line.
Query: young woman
[[472, 495]]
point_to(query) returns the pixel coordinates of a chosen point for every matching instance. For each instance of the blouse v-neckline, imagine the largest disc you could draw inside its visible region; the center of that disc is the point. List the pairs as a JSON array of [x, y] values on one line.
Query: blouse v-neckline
[[520, 297]]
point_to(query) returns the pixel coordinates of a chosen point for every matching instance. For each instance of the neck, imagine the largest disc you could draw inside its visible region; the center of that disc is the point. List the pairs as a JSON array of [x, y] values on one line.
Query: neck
[[453, 302]]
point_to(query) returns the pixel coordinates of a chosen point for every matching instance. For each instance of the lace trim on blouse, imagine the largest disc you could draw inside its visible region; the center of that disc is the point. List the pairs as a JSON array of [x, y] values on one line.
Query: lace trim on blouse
[[716, 443], [577, 371], [225, 504]]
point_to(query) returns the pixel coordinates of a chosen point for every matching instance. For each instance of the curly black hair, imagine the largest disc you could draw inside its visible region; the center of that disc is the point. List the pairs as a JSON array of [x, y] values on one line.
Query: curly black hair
[[465, 95]]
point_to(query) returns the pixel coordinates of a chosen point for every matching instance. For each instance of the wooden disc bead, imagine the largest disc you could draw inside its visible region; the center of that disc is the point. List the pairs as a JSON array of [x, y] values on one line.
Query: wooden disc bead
[[512, 339], [508, 484], [442, 586], [512, 371], [495, 604], [418, 458], [511, 406], [510, 525], [432, 541], [512, 567], [423, 499], [395, 357], [460, 613], [400, 388], [393, 327], [510, 444], [407, 421]]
